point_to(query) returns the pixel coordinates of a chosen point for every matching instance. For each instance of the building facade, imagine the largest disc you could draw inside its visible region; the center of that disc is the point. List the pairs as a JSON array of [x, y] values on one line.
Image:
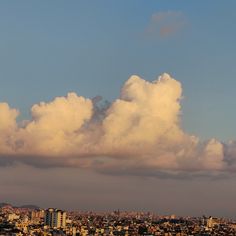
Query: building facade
[[55, 218]]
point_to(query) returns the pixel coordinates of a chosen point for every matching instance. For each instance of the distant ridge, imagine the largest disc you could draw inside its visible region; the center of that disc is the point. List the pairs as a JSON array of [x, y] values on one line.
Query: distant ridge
[[33, 207], [28, 206], [2, 204]]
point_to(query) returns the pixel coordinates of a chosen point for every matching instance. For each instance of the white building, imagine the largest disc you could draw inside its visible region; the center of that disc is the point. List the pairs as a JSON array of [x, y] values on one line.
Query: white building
[[12, 217], [55, 218]]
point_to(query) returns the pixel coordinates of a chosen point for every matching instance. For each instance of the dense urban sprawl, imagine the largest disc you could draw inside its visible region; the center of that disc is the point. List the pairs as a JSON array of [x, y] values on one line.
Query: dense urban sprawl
[[30, 220]]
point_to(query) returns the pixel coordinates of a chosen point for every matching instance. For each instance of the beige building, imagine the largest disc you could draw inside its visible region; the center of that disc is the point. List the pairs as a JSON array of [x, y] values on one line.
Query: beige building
[[55, 218]]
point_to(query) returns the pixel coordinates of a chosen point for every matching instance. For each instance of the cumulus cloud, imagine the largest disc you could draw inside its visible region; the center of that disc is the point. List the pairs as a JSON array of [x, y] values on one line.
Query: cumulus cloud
[[7, 126], [139, 133], [166, 23]]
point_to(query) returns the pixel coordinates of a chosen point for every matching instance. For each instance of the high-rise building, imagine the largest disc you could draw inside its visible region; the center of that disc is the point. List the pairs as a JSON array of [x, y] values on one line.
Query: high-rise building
[[55, 218]]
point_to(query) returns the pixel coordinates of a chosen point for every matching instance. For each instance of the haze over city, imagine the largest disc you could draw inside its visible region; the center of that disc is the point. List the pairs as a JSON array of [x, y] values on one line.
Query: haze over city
[[124, 105]]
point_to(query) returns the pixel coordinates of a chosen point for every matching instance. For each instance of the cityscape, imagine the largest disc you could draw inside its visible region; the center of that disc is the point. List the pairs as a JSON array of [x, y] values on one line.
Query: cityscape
[[30, 220]]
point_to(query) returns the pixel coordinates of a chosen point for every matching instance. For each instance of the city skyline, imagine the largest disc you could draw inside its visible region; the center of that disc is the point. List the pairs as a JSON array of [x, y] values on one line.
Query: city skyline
[[30, 221], [125, 106]]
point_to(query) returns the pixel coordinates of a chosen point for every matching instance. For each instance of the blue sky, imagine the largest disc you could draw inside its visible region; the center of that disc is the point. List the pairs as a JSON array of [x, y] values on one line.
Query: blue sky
[[51, 48]]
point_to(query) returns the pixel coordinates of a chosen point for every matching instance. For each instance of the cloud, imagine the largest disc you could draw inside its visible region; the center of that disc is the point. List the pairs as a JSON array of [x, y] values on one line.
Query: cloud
[[167, 23], [138, 134], [7, 126]]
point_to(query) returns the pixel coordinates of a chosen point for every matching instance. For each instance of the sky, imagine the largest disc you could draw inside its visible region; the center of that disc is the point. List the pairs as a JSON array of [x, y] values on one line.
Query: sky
[[123, 104]]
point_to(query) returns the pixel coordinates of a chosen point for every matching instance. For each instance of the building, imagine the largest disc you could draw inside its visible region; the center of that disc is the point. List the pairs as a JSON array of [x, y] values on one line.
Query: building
[[55, 218], [12, 217], [37, 216]]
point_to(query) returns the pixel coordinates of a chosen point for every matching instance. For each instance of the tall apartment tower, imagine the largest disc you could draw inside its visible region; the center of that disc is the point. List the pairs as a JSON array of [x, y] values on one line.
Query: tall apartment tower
[[55, 218]]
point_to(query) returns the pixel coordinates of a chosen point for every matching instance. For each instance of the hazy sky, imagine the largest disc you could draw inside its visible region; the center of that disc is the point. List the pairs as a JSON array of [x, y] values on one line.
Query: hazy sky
[[161, 146]]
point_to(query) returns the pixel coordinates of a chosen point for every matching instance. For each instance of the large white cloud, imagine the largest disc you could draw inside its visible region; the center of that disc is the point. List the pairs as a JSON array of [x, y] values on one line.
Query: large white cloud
[[8, 126], [144, 113], [139, 132], [54, 129]]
